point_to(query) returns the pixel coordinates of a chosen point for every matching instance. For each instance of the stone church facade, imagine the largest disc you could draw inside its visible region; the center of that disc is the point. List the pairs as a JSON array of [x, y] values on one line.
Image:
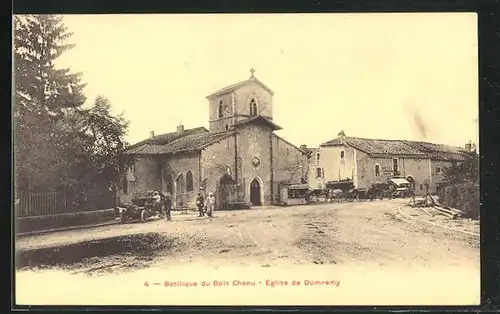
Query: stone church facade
[[239, 158]]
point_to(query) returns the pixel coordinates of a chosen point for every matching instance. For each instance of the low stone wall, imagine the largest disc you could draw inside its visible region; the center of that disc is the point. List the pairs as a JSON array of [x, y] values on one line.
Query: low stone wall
[[47, 222], [463, 196]]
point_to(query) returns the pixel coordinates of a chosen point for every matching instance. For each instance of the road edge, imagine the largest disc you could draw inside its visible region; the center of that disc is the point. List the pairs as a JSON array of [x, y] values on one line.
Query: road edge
[[400, 210], [39, 232]]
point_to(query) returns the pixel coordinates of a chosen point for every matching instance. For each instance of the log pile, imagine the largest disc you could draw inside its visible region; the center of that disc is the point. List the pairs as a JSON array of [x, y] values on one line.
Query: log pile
[[429, 201]]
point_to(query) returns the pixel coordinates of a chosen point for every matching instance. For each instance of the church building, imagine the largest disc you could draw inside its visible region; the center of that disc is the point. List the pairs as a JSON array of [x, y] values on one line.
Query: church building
[[239, 158]]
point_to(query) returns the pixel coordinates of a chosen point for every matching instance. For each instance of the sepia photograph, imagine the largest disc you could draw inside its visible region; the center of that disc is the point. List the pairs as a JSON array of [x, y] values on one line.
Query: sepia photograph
[[246, 159]]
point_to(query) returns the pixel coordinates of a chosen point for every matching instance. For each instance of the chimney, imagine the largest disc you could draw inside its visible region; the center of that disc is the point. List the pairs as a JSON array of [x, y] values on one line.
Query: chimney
[[303, 146], [468, 146], [152, 134], [180, 128]]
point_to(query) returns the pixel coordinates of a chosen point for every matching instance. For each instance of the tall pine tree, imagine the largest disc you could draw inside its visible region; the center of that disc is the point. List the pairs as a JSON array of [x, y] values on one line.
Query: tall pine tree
[[43, 94]]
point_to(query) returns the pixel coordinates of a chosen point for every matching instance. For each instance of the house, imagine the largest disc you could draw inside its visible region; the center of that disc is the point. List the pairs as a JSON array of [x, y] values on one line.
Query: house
[[315, 173], [239, 157], [366, 161]]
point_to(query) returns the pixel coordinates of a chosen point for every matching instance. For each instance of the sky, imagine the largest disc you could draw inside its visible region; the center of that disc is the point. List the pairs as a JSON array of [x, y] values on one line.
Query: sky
[[387, 76]]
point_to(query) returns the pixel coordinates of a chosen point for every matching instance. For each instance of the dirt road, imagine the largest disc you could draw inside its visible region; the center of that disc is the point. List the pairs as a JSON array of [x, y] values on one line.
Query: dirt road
[[319, 234], [370, 247]]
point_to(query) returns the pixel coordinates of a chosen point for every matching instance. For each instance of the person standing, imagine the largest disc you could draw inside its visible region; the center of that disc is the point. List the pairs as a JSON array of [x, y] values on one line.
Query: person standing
[[157, 198], [200, 203], [168, 206], [210, 204]]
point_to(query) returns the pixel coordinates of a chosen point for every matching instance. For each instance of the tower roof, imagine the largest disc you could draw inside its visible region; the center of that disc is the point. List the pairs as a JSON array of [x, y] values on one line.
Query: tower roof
[[235, 86]]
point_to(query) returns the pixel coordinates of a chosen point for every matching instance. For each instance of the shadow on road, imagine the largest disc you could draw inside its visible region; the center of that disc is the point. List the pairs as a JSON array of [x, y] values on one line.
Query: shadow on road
[[101, 256]]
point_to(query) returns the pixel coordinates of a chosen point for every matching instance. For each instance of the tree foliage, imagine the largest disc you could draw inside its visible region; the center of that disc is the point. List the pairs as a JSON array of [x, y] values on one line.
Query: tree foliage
[[466, 171], [101, 137], [42, 93], [57, 141]]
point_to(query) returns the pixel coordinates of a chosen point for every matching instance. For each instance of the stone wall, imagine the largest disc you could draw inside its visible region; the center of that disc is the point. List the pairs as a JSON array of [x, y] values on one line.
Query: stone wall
[[216, 160], [264, 99], [254, 142], [147, 173], [175, 170], [289, 165], [338, 163], [219, 124], [418, 169]]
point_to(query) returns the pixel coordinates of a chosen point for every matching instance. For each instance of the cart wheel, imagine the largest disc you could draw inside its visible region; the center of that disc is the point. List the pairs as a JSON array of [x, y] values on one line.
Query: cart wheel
[[144, 215], [123, 218]]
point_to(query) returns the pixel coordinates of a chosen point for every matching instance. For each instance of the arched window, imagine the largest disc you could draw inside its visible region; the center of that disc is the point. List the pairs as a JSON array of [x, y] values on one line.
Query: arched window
[[221, 109], [319, 172], [189, 182], [317, 157], [377, 170], [253, 107], [125, 185], [342, 154], [179, 184]]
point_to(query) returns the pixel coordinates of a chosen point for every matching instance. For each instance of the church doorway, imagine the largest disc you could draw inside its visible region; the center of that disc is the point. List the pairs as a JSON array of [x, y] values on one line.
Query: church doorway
[[224, 190], [255, 193]]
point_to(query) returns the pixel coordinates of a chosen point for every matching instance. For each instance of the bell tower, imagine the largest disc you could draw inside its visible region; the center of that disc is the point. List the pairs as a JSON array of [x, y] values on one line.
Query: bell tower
[[239, 101]]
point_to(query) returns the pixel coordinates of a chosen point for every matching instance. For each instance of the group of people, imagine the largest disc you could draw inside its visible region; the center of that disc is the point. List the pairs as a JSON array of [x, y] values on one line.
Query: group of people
[[204, 205]]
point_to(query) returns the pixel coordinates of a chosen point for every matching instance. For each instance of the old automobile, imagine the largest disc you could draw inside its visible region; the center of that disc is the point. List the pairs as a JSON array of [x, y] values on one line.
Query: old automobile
[[401, 187], [143, 206]]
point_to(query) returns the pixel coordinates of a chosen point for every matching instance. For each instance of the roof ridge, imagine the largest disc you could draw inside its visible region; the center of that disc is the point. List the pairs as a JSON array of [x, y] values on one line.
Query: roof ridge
[[231, 87], [391, 140], [198, 127], [151, 141]]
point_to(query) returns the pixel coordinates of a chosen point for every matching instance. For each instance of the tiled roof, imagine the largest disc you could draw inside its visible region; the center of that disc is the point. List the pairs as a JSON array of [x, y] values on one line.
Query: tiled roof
[[380, 148], [193, 142], [232, 87], [197, 141], [168, 137], [439, 151], [261, 119]]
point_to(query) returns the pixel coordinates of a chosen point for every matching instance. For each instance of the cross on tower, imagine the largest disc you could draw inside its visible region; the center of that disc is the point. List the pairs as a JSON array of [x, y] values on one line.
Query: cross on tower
[[252, 71]]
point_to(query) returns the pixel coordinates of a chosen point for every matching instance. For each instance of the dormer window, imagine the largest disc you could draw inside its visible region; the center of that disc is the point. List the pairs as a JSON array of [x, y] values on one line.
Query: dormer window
[[253, 107], [221, 109]]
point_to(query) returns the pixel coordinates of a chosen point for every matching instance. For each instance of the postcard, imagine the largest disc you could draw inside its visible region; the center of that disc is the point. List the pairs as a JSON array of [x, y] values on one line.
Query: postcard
[[246, 159]]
